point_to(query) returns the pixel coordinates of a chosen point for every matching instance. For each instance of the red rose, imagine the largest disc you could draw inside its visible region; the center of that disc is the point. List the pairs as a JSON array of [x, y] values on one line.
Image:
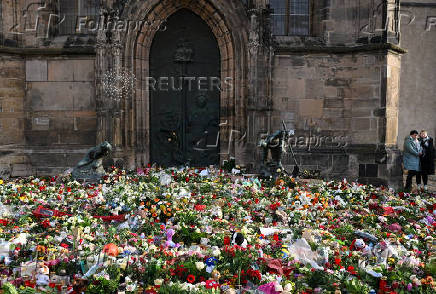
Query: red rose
[[190, 279], [226, 240]]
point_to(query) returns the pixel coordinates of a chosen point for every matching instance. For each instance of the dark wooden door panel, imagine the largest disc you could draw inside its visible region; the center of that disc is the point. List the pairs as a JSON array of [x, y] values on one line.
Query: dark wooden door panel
[[184, 118]]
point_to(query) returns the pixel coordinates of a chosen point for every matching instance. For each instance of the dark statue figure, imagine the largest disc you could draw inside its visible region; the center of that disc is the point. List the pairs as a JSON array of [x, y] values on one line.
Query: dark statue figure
[[90, 168], [276, 145]]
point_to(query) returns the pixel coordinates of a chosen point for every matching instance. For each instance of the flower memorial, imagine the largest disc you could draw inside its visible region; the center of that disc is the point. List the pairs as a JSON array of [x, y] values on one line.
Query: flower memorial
[[208, 231]]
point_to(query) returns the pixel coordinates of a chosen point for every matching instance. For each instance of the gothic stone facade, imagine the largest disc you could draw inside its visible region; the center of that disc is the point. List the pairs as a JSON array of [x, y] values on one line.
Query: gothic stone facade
[[330, 69]]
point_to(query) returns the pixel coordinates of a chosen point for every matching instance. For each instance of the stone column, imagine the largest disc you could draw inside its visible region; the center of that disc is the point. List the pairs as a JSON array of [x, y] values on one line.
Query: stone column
[[390, 168], [100, 68], [118, 104], [392, 24], [258, 83]]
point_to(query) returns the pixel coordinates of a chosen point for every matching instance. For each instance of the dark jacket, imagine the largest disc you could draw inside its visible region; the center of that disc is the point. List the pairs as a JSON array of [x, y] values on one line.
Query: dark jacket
[[428, 156]]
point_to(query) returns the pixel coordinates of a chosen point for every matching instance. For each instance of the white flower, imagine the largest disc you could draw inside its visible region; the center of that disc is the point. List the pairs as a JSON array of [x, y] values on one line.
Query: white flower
[[278, 287], [216, 252], [199, 265], [131, 287], [158, 282]]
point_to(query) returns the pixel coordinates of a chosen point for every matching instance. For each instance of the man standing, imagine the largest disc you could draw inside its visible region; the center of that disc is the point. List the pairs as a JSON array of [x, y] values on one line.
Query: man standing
[[411, 161], [427, 158]]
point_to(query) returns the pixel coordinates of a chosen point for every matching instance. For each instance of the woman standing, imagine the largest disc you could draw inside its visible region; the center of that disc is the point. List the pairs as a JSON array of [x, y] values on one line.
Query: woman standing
[[427, 158], [411, 159]]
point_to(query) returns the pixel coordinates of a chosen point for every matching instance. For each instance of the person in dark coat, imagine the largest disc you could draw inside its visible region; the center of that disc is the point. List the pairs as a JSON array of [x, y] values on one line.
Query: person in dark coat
[[411, 159], [427, 158]]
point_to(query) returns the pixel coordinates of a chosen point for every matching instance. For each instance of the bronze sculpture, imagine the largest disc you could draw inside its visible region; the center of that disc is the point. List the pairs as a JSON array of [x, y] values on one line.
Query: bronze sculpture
[[90, 168], [276, 144]]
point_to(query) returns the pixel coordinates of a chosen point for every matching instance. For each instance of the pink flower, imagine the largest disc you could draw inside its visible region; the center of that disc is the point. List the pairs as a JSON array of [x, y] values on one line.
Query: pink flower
[[395, 227]]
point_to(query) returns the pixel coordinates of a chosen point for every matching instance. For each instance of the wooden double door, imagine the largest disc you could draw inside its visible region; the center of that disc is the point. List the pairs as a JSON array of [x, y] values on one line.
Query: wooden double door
[[184, 86]]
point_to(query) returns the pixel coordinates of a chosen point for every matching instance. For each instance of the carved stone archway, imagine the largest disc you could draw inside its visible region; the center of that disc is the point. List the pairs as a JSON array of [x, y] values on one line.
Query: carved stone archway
[[242, 43], [232, 39]]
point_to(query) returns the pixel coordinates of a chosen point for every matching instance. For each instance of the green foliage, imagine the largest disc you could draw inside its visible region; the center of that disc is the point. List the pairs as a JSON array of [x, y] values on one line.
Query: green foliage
[[216, 239], [206, 188], [188, 236], [68, 267], [102, 286], [171, 289], [319, 279], [206, 291], [430, 267], [313, 245], [152, 272], [346, 231], [356, 286], [148, 228], [28, 290], [368, 279], [8, 288], [113, 271], [188, 218]]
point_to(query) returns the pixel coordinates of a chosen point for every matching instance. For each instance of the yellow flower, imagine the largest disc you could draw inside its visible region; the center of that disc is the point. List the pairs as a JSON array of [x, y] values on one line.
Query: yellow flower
[[1, 182]]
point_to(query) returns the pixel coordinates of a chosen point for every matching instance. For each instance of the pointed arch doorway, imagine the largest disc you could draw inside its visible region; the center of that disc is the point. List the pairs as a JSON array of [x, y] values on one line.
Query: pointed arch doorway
[[184, 90]]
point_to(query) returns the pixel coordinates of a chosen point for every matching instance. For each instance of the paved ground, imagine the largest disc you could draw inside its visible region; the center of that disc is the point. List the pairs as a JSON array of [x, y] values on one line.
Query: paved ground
[[431, 183]]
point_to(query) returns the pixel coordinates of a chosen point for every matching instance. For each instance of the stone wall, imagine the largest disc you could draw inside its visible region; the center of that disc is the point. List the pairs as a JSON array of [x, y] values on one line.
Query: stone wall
[[60, 101], [60, 107], [343, 108], [12, 75], [12, 84], [337, 94], [417, 91]]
